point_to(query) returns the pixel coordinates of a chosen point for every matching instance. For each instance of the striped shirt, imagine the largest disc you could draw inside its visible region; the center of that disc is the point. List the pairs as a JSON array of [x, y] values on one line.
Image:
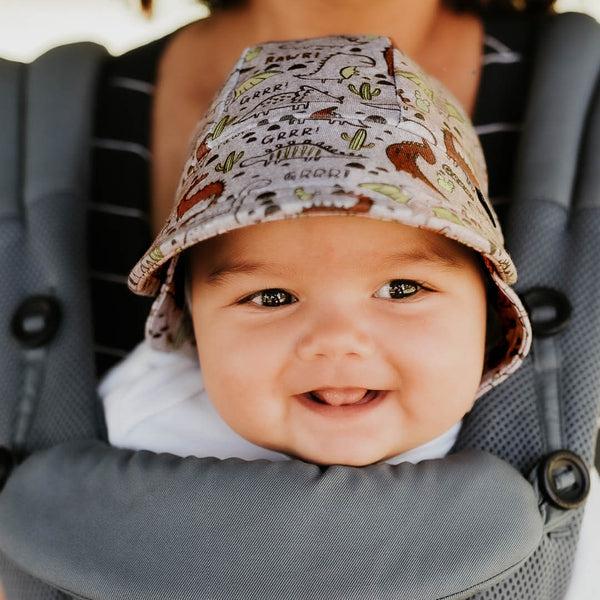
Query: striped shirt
[[120, 196]]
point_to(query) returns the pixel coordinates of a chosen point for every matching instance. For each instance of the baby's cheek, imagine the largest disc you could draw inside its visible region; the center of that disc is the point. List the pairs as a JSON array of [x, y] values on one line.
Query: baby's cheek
[[239, 397]]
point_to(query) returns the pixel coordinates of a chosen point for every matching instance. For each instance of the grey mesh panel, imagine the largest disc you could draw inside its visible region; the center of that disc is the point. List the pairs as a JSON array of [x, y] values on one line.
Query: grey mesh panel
[[57, 161], [11, 74], [11, 239], [42, 235], [43, 187], [554, 237], [16, 584], [140, 526]]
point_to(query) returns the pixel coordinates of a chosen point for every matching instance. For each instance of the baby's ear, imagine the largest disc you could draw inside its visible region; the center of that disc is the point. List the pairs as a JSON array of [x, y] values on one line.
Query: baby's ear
[[183, 293], [184, 273], [181, 279], [495, 341]]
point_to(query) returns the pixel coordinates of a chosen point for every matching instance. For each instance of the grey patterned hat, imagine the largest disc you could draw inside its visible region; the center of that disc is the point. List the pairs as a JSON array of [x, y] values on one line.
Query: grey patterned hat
[[327, 126]]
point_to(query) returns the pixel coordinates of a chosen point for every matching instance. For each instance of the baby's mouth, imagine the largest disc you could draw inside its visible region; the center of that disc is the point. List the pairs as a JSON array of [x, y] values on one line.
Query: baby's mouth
[[342, 396]]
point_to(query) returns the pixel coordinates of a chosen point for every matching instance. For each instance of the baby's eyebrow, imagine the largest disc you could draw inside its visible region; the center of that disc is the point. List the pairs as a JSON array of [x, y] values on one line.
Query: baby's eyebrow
[[220, 273], [432, 255]]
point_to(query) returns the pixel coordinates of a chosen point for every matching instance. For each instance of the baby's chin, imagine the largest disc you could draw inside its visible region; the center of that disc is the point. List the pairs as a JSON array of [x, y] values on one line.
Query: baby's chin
[[348, 457]]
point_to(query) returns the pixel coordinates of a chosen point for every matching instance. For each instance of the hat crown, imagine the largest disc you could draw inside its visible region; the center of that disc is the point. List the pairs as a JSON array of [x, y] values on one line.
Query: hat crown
[[326, 112]]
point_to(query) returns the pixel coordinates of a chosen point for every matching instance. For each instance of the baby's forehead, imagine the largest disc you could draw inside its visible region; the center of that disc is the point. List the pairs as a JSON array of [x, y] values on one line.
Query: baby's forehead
[[334, 237]]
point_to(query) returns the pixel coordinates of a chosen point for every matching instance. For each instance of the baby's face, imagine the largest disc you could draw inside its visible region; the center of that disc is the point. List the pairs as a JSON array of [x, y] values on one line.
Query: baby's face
[[338, 340]]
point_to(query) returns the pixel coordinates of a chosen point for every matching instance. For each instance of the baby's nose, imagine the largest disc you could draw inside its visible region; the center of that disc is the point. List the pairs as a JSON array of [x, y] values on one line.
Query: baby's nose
[[334, 337]]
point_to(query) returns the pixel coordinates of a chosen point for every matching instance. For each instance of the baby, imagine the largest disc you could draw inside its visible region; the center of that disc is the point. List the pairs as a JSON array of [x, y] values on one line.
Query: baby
[[333, 263]]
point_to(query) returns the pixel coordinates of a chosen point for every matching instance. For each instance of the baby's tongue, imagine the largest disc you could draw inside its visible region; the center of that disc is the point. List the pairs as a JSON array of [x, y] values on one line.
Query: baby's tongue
[[340, 396]]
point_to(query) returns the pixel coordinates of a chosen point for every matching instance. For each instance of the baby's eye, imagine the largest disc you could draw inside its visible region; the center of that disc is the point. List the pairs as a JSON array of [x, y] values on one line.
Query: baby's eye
[[270, 298], [398, 289]]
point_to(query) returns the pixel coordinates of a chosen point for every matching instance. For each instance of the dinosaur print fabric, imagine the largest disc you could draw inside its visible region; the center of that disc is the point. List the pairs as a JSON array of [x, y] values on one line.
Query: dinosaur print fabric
[[334, 125]]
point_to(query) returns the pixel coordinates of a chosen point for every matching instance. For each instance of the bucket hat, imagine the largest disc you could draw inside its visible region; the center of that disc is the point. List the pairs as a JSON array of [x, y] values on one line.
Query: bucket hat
[[325, 126]]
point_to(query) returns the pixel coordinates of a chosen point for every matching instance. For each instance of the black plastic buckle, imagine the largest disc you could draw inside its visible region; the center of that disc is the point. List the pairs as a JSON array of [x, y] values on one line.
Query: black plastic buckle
[[36, 321], [564, 479], [549, 310]]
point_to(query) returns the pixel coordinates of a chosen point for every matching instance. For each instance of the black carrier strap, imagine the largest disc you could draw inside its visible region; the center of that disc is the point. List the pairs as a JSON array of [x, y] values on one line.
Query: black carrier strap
[[103, 523]]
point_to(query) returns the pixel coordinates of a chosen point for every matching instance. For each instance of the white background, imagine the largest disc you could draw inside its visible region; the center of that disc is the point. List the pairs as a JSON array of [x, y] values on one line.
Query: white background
[[29, 27]]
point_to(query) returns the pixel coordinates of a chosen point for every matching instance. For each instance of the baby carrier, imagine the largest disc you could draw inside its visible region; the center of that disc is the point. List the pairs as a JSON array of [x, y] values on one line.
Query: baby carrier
[[498, 518]]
